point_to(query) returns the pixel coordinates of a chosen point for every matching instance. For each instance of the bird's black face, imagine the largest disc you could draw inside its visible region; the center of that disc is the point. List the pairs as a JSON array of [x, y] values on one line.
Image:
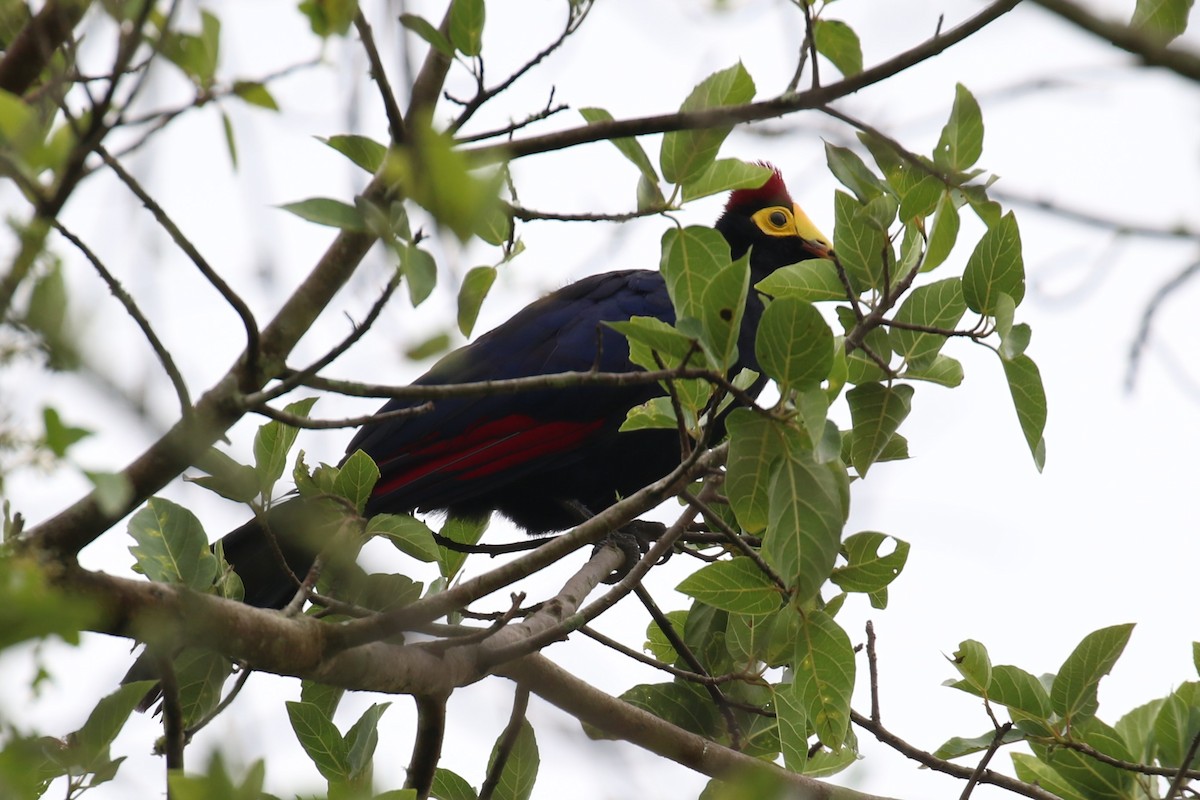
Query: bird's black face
[[776, 235]]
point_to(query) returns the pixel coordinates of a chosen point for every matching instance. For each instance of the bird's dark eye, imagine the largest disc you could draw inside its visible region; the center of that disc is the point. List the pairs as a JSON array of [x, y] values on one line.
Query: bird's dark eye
[[778, 219]]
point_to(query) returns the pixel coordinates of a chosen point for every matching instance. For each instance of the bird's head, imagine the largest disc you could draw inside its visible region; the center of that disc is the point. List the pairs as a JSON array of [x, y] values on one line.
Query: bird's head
[[772, 226]]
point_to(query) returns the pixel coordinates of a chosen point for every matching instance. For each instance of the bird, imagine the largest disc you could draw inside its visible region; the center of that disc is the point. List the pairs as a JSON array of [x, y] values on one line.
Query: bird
[[539, 458]]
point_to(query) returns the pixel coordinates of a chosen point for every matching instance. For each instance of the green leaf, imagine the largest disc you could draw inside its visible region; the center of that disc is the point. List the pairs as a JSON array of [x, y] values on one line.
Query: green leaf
[[327, 211], [1017, 689], [838, 42], [995, 267], [853, 173], [361, 741], [201, 675], [704, 286], [812, 280], [31, 608], [922, 198], [657, 642], [463, 531], [438, 176], [859, 244], [869, 569], [356, 479], [723, 175], [956, 746], [961, 142], [682, 704], [420, 270], [272, 444], [363, 151], [171, 545], [687, 154], [106, 721], [755, 444], [1196, 656], [1136, 729], [466, 26], [876, 412], [321, 695], [256, 94], [737, 585], [794, 344], [792, 715], [217, 783], [407, 533], [935, 305], [448, 785], [942, 235], [475, 286], [823, 676], [630, 148], [426, 30], [943, 370], [972, 662], [1161, 20], [1073, 695], [1096, 779], [807, 510], [1029, 397], [519, 772], [329, 17], [113, 491], [321, 740], [59, 436], [1031, 770], [1177, 725]]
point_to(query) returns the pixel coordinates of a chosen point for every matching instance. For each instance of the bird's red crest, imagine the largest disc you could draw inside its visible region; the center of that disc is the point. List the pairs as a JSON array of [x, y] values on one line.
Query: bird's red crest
[[771, 193]]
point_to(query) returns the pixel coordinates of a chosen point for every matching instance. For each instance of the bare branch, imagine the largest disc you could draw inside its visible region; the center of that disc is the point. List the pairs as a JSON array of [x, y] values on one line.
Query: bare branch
[[1142, 339], [379, 75]]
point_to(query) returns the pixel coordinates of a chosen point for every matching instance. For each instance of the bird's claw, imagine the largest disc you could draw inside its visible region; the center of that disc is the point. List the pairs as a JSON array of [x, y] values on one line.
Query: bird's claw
[[634, 541]]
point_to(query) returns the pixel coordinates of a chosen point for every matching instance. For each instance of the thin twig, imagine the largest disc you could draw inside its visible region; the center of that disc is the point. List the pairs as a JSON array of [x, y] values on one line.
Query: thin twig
[[131, 308], [1151, 310], [873, 671], [650, 661], [394, 116], [174, 738], [997, 740], [733, 537], [1182, 775], [231, 297], [243, 676], [297, 421]]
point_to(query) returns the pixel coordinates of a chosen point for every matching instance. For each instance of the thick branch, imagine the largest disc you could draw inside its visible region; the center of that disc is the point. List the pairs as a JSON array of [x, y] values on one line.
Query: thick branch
[[621, 720], [36, 43]]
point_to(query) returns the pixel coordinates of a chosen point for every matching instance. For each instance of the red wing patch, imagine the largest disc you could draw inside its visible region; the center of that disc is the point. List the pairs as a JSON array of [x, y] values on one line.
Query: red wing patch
[[489, 448]]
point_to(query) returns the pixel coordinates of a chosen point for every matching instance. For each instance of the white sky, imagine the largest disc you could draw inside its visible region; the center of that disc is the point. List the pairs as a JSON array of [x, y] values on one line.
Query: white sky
[[1025, 563]]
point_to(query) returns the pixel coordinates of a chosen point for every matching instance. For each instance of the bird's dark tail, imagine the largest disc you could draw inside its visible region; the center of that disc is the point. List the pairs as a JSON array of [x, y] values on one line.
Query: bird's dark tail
[[258, 552]]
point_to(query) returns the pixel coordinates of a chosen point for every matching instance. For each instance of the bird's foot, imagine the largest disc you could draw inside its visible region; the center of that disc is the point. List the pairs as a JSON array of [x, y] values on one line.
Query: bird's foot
[[634, 541]]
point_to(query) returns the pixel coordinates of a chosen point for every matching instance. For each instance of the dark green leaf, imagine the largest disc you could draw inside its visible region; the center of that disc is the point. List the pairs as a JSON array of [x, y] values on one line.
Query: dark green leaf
[[420, 270], [1031, 770], [755, 444], [942, 235], [860, 245], [682, 704]]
